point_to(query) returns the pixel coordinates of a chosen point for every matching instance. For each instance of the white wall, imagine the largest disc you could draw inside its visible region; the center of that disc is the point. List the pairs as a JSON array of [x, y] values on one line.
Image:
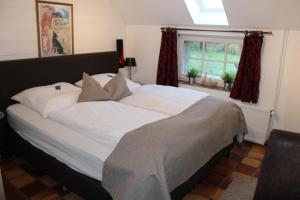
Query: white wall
[[96, 27], [288, 117], [143, 42]]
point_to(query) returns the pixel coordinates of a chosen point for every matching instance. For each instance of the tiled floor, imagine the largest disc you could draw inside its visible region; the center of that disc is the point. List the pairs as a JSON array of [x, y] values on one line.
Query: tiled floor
[[23, 181], [244, 160]]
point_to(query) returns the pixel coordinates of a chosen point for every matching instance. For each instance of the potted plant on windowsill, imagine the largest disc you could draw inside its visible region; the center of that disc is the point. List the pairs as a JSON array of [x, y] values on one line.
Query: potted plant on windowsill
[[228, 80], [193, 73]]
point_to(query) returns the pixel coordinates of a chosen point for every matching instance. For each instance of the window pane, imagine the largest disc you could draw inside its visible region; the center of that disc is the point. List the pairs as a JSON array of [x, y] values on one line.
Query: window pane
[[214, 51], [232, 68], [234, 52], [193, 49], [214, 68], [190, 63]]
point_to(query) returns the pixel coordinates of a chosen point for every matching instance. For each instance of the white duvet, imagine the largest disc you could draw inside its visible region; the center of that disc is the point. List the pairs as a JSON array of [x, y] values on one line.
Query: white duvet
[[105, 122], [163, 99]]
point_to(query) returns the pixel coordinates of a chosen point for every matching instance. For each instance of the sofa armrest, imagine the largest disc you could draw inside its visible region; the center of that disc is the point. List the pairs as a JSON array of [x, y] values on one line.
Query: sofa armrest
[[279, 177], [284, 139]]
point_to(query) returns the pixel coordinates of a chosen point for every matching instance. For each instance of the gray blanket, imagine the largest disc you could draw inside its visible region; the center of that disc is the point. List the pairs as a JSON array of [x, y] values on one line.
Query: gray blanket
[[153, 160]]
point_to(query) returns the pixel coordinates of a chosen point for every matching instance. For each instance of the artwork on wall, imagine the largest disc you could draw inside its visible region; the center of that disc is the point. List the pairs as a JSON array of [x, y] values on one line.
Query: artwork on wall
[[55, 28]]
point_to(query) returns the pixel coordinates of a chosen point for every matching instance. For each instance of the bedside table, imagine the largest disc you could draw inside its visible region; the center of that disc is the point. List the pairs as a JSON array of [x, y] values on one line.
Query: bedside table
[[4, 128]]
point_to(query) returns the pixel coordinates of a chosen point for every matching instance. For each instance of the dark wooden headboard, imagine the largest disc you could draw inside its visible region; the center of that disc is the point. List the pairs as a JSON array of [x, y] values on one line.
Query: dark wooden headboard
[[18, 75]]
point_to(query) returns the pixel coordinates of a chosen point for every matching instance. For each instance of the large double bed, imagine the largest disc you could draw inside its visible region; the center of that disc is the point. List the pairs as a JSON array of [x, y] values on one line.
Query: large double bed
[[157, 143]]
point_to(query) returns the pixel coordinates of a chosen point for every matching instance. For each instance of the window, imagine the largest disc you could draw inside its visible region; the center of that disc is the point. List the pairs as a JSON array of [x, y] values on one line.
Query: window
[[213, 55], [212, 4], [207, 12]]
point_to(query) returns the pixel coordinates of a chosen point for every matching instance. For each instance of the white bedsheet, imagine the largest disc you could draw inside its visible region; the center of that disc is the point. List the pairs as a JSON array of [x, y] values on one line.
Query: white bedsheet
[[75, 150], [163, 99], [105, 122]]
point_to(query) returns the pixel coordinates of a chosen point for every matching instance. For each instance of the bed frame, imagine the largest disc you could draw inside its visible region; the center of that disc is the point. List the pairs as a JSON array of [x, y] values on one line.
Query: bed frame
[[18, 75]]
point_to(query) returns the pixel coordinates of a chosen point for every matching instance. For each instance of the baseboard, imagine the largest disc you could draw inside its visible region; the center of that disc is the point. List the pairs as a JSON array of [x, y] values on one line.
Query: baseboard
[[254, 140]]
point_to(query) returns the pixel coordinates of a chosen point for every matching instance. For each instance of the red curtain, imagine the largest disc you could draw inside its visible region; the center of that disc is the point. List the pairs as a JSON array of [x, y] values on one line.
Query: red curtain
[[246, 84], [167, 72]]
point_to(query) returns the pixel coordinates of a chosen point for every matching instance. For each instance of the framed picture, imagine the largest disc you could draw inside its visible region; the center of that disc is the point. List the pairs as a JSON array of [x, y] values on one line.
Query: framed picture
[[55, 28]]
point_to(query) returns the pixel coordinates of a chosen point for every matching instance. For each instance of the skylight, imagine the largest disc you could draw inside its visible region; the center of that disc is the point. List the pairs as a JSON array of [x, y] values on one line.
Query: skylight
[[207, 12], [212, 4]]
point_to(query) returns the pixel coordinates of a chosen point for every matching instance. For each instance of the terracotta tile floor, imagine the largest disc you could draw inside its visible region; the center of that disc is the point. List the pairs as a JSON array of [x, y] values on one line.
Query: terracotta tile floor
[[23, 182], [244, 160]]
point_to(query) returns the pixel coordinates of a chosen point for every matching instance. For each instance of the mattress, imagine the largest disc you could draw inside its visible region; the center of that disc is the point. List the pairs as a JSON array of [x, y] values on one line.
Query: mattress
[[69, 147]]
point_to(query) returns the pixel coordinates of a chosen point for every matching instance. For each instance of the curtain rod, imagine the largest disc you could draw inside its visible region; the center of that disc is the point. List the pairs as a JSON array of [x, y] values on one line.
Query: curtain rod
[[211, 30]]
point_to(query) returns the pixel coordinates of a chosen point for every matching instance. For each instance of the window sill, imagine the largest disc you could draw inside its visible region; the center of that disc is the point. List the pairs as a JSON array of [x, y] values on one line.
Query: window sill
[[204, 86]]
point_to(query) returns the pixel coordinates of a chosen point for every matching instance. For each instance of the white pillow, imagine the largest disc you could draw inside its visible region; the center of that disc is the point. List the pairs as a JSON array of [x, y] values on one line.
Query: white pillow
[[102, 79], [50, 98]]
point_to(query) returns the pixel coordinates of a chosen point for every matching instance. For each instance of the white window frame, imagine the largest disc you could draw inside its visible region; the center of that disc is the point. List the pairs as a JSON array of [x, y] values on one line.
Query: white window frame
[[215, 38]]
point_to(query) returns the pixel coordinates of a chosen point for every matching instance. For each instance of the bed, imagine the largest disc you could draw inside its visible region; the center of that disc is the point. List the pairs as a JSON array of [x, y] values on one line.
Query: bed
[[83, 180]]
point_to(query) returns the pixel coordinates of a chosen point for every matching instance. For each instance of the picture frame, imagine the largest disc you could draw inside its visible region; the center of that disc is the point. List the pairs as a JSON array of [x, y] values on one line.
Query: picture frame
[[55, 28]]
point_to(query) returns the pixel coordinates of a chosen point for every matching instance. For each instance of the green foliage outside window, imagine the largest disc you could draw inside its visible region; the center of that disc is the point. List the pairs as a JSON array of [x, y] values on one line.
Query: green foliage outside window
[[214, 58]]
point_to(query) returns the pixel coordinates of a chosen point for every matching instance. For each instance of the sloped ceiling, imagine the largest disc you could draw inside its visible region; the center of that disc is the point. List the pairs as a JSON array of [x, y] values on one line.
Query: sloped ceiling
[[271, 14]]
